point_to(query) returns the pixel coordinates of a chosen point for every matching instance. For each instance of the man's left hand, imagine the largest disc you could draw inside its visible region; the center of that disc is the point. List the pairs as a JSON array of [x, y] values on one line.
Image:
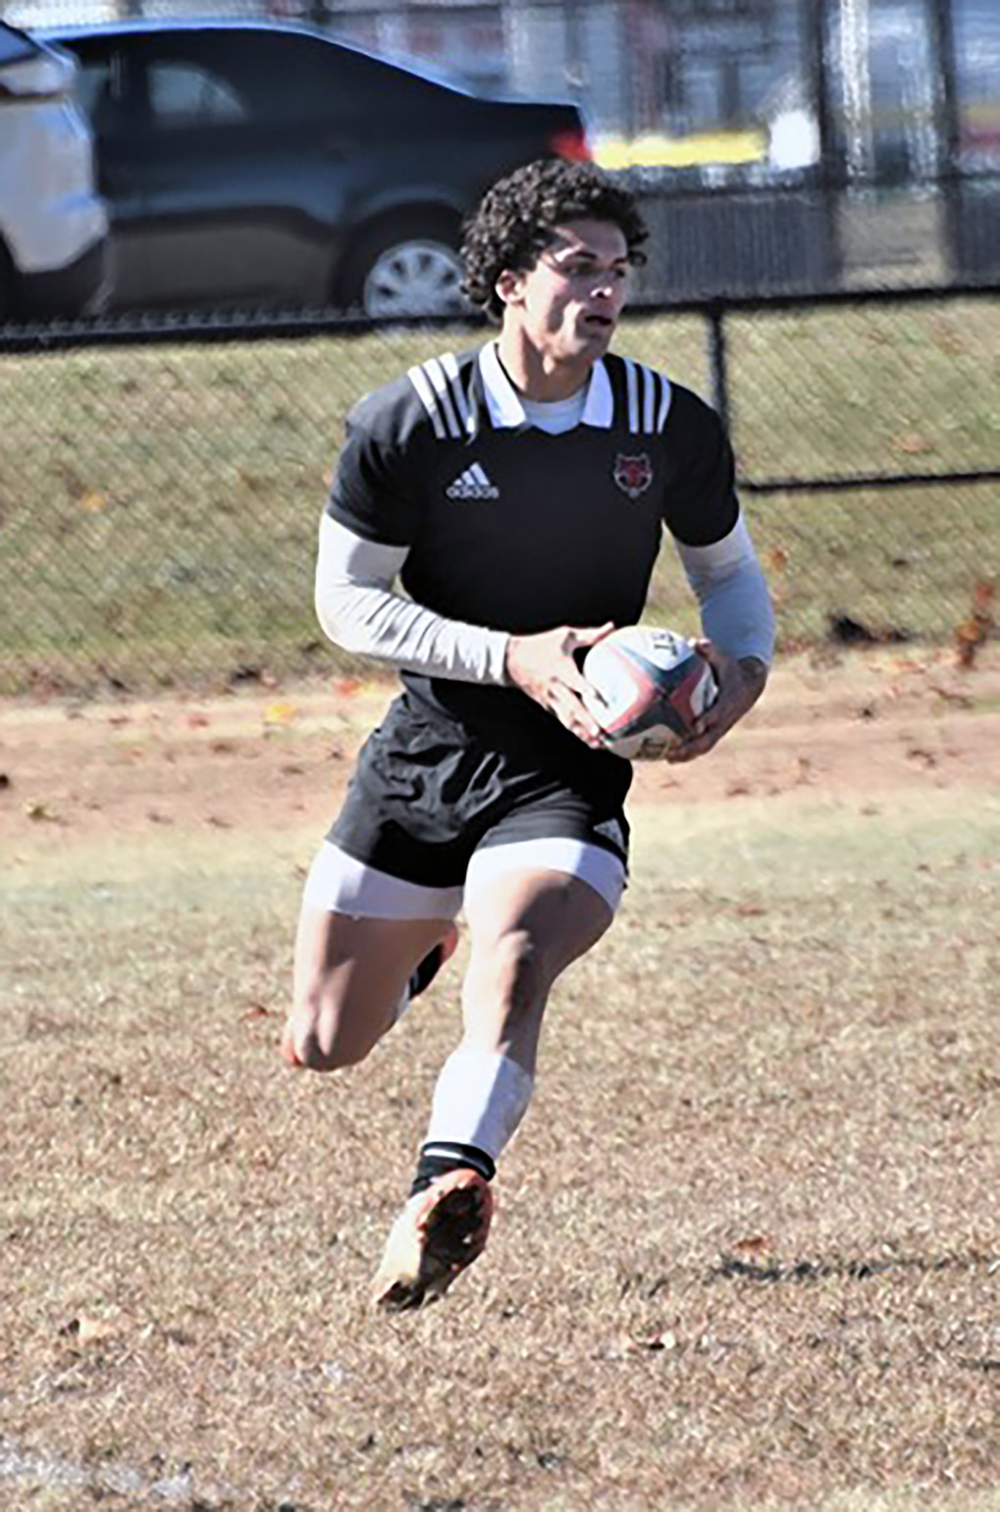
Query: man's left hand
[[741, 684]]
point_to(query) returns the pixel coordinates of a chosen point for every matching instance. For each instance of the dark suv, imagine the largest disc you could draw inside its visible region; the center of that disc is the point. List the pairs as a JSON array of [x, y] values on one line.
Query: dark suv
[[258, 164]]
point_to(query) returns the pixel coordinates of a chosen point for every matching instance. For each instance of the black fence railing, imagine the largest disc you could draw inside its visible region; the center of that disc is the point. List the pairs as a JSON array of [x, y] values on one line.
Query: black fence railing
[[720, 313], [161, 479]]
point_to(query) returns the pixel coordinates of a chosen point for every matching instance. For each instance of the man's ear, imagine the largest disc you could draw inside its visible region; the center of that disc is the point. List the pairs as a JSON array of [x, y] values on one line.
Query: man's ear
[[508, 287]]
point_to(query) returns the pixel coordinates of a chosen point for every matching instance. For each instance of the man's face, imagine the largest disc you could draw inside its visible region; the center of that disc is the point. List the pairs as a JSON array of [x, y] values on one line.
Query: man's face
[[569, 303]]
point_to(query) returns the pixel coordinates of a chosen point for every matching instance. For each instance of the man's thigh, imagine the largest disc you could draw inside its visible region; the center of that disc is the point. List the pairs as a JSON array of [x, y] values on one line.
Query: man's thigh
[[361, 934]]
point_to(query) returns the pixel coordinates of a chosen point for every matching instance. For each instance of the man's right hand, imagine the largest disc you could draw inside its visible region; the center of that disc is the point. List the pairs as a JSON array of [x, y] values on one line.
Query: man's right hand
[[543, 666]]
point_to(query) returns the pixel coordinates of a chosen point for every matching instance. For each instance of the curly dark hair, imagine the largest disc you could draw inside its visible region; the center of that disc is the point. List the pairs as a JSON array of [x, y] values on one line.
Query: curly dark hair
[[518, 216]]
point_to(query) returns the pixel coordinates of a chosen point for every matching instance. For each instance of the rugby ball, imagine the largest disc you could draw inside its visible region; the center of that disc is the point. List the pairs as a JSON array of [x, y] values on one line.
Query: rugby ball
[[646, 689]]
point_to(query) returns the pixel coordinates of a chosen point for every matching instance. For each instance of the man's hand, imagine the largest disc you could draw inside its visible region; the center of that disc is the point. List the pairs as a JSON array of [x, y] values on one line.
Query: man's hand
[[741, 684], [543, 667]]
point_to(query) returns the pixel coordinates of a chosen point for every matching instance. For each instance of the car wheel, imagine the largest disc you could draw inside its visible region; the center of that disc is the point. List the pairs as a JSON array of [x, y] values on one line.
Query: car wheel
[[6, 286], [406, 269]]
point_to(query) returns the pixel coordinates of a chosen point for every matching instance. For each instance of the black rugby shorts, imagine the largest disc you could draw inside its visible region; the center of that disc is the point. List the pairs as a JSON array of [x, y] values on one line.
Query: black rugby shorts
[[426, 793]]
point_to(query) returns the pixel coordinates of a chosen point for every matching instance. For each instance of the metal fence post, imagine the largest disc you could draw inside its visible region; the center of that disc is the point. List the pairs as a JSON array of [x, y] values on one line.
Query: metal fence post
[[717, 356], [947, 125]]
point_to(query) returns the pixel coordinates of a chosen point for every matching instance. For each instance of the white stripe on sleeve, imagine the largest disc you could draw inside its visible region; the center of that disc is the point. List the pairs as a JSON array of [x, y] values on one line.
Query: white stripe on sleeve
[[649, 381], [418, 379], [359, 612]]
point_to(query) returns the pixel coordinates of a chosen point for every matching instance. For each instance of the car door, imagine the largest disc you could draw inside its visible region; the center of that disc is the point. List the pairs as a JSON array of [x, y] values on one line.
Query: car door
[[228, 173], [103, 89]]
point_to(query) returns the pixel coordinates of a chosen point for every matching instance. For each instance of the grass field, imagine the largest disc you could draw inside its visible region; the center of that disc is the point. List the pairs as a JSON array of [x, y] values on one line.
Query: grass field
[[747, 1252], [158, 506]]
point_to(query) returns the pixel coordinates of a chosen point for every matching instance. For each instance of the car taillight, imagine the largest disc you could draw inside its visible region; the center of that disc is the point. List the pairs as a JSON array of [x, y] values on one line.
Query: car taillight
[[571, 143]]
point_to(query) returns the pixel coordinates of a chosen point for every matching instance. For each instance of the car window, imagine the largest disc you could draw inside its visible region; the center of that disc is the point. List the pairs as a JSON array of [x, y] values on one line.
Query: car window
[[14, 45], [183, 93], [92, 86], [366, 85], [288, 79]]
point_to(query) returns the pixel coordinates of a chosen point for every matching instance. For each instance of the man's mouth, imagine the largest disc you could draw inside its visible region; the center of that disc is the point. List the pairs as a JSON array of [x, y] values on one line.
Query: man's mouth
[[602, 322]]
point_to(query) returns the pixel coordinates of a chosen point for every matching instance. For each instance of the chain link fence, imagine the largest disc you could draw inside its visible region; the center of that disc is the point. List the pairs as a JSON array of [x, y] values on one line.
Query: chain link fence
[[161, 487]]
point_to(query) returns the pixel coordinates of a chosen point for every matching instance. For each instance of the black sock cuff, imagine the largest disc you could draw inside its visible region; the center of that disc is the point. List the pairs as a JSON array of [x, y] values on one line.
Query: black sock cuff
[[440, 1156]]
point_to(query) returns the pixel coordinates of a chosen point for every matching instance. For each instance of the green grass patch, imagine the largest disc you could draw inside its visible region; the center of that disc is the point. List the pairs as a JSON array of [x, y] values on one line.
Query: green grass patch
[[159, 506]]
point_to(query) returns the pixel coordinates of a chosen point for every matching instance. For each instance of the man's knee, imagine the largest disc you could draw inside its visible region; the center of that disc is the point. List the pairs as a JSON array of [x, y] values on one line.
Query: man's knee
[[322, 1035], [310, 1052]]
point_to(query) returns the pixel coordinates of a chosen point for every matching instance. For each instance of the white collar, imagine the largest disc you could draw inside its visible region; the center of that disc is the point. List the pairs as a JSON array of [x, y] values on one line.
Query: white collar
[[506, 409]]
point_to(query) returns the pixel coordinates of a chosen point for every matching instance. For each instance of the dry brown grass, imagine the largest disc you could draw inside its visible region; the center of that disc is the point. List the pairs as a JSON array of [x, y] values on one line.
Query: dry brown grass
[[747, 1253]]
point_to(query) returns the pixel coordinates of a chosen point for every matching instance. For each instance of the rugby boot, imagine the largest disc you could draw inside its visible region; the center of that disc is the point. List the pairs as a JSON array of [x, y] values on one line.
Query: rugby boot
[[439, 1232]]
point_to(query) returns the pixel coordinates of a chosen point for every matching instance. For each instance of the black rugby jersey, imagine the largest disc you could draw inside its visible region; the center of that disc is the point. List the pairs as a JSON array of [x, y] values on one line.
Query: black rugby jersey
[[515, 529]]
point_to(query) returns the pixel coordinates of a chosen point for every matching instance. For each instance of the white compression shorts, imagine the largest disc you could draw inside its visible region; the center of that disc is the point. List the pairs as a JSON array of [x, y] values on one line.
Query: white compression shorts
[[342, 885]]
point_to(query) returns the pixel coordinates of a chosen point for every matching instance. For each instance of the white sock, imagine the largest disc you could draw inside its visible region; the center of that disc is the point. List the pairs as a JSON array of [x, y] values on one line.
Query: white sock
[[480, 1099]]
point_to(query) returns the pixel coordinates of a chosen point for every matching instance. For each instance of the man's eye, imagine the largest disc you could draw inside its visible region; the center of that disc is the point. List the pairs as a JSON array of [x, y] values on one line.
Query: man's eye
[[584, 270]]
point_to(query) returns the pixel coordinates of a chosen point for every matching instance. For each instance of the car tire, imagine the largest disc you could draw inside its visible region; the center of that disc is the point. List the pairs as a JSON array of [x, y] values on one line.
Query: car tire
[[7, 286], [405, 266]]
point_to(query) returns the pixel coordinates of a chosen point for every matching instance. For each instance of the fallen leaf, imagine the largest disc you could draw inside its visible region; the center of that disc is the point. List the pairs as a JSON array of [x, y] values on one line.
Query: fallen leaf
[[660, 1339], [963, 700], [912, 442], [245, 673], [279, 714], [86, 1331], [36, 810], [754, 1245], [850, 632]]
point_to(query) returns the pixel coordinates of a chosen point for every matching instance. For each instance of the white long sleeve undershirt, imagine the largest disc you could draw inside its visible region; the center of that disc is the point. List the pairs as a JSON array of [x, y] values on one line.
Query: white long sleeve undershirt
[[733, 598], [359, 611]]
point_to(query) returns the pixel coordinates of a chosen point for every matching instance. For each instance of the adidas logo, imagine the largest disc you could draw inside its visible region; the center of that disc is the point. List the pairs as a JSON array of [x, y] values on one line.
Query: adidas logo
[[473, 484]]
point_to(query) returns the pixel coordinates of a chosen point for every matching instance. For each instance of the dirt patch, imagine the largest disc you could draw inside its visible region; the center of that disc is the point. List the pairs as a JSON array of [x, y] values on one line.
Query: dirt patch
[[860, 724], [746, 1249]]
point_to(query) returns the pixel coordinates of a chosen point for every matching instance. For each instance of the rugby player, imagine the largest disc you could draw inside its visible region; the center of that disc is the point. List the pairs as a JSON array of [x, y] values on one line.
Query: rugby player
[[519, 493]]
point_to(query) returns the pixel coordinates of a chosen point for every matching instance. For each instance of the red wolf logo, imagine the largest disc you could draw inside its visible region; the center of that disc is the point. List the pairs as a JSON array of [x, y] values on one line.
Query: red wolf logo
[[633, 475]]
